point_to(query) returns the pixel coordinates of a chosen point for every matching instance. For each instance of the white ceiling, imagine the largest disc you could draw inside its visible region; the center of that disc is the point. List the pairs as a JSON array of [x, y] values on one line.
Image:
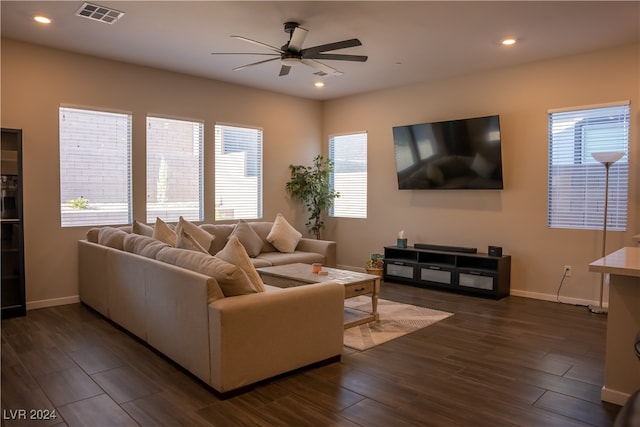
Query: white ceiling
[[406, 42]]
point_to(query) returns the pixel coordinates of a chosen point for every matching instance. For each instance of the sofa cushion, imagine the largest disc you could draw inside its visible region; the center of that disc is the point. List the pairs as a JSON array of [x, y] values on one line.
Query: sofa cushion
[[283, 236], [92, 234], [143, 245], [235, 253], [247, 237], [279, 258], [231, 278], [164, 233], [202, 237], [258, 262], [139, 228], [112, 237]]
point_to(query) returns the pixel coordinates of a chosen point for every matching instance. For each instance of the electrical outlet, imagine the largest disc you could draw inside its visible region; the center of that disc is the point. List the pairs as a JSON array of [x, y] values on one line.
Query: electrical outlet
[[567, 270]]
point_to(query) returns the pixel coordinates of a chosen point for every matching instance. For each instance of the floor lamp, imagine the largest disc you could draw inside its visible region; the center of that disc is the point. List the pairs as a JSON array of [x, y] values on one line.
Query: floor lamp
[[607, 158]]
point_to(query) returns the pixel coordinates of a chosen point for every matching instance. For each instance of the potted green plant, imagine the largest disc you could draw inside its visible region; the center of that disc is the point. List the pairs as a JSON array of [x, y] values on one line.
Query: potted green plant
[[375, 265], [311, 185]]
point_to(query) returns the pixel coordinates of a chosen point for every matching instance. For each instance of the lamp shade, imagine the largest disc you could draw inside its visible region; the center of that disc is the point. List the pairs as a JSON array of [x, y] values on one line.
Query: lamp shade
[[608, 156]]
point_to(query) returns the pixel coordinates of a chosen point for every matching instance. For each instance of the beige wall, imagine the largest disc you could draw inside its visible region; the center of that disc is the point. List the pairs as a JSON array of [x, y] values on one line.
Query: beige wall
[[36, 80], [514, 218]]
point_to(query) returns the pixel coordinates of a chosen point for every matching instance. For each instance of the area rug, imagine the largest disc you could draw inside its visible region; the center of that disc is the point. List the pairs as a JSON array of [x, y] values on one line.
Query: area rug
[[396, 320]]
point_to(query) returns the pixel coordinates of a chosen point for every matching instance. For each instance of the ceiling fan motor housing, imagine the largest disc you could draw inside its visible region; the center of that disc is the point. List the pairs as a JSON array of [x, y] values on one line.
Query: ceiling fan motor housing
[[290, 26]]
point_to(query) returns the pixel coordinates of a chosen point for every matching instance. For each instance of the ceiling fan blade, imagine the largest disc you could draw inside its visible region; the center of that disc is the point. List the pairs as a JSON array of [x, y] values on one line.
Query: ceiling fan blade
[[320, 66], [330, 46], [244, 53], [255, 63], [284, 70], [337, 57], [297, 38], [273, 48]]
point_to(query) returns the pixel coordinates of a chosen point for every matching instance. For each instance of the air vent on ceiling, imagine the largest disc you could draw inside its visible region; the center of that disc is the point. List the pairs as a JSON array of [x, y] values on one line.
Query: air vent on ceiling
[[99, 13]]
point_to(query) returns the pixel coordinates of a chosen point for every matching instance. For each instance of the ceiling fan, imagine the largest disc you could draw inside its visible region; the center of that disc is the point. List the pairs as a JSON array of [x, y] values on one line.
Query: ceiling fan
[[291, 53]]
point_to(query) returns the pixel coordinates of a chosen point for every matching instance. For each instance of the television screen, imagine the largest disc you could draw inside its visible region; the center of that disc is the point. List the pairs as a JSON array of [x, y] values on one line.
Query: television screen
[[454, 154]]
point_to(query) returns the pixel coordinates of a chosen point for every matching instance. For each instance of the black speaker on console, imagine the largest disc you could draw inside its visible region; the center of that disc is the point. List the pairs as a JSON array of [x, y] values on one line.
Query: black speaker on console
[[495, 251]]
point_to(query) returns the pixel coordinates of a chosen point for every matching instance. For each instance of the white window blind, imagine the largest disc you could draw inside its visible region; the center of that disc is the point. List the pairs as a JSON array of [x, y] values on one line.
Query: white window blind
[[349, 177], [238, 172], [576, 179], [174, 169], [95, 167]]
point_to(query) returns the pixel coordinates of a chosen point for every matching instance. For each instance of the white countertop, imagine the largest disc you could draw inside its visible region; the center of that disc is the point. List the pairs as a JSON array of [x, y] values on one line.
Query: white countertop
[[624, 262]]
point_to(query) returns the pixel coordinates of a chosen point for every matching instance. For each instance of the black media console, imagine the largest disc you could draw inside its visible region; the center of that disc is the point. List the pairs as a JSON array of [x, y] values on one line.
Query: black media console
[[474, 273]]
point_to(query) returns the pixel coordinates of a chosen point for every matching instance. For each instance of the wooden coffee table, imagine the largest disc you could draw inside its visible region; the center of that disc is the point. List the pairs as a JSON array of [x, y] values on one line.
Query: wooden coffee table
[[355, 284]]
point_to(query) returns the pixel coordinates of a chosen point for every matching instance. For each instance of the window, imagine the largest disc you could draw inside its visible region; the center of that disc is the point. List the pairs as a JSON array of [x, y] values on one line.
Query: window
[[238, 172], [95, 167], [349, 177], [576, 179], [174, 169]]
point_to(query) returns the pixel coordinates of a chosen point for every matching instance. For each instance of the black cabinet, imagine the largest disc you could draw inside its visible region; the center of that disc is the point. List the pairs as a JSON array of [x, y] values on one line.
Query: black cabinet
[[473, 273], [12, 294]]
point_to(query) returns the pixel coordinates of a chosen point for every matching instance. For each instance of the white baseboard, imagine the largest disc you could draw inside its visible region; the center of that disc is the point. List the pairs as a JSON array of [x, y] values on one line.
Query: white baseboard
[[549, 297], [32, 305], [514, 292], [351, 268], [614, 396]]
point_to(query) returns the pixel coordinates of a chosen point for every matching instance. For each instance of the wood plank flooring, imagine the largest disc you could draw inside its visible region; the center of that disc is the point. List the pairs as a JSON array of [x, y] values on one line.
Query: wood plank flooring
[[513, 362]]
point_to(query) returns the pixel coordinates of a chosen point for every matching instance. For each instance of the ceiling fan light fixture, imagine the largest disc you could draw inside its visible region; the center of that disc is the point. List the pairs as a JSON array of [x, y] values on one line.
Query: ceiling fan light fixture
[[290, 61]]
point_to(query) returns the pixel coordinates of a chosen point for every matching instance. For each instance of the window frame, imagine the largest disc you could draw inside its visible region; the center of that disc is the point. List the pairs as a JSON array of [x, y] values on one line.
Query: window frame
[[200, 167], [356, 208], [253, 168], [576, 181], [90, 215]]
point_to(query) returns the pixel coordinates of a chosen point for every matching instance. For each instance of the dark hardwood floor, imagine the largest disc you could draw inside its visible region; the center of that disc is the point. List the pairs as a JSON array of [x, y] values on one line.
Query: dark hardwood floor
[[513, 362]]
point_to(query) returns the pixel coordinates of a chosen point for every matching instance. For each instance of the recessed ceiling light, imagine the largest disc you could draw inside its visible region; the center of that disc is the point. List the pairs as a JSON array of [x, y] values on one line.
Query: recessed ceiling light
[[509, 41], [42, 19], [319, 84]]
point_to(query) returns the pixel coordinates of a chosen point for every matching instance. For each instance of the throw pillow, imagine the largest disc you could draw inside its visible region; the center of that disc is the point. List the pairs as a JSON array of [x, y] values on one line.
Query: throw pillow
[[143, 245], [164, 233], [247, 237], [203, 237], [232, 279], [185, 240], [142, 229], [235, 253], [112, 237], [283, 236]]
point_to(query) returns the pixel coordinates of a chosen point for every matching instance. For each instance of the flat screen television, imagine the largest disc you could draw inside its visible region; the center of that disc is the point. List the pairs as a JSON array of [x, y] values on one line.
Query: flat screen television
[[454, 154]]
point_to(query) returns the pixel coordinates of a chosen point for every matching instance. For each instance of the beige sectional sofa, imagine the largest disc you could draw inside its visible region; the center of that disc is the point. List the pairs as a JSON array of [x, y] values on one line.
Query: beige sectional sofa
[[307, 251], [229, 342]]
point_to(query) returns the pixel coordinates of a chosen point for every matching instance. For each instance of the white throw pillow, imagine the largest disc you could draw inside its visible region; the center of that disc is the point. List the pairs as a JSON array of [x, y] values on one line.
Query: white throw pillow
[[235, 253], [283, 236], [185, 240], [248, 238], [164, 233], [142, 229], [202, 237]]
